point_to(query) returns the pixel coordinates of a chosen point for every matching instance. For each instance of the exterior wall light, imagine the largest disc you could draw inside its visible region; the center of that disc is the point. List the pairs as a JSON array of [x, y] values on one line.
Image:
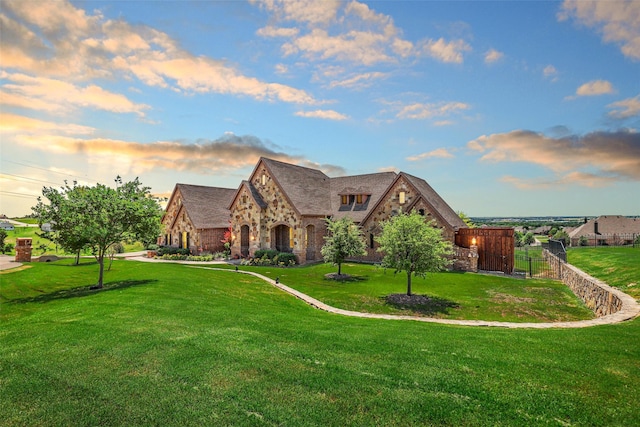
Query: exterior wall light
[[474, 241]]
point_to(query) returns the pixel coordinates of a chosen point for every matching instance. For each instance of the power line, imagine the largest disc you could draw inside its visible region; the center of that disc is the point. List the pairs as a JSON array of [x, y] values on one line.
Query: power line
[[49, 170], [24, 195], [27, 178]]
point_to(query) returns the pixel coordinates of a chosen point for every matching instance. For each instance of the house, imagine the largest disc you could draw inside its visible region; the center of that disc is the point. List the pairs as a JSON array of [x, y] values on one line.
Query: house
[[196, 217], [7, 226], [606, 230], [284, 207]]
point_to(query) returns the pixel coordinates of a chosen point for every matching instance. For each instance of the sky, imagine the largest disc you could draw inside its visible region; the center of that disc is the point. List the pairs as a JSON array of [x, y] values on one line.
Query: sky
[[506, 108]]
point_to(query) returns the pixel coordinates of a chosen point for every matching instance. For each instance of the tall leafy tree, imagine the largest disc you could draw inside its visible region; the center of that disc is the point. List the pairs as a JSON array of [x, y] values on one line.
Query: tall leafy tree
[[414, 246], [345, 239], [99, 217]]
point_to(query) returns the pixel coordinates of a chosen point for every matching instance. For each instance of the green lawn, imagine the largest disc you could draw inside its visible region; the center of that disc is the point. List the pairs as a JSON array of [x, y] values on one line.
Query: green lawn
[[453, 295], [617, 266], [170, 345]]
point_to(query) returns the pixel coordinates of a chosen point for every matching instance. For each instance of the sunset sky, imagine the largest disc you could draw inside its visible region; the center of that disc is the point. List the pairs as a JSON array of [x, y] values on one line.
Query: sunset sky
[[506, 108]]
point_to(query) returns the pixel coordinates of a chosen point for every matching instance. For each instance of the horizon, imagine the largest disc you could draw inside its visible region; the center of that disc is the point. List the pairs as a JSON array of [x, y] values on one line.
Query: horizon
[[507, 109]]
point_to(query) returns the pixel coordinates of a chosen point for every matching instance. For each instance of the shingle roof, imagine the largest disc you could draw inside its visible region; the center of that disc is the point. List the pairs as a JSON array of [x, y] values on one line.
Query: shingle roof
[[306, 188], [608, 224], [374, 184], [207, 207], [436, 201]]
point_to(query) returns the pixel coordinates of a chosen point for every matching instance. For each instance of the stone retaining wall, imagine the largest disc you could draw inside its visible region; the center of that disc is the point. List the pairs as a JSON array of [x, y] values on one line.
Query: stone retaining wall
[[601, 298]]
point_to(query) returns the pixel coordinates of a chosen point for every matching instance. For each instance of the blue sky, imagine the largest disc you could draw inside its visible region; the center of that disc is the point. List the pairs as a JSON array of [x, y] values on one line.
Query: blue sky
[[505, 108]]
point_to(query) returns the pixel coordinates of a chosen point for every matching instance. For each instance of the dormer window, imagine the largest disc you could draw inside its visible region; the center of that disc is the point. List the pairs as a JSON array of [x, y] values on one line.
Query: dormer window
[[359, 199], [344, 199], [402, 198]]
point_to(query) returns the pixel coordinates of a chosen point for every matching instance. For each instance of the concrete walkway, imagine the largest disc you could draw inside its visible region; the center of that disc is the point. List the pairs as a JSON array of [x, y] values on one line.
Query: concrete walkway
[[627, 313], [630, 309]]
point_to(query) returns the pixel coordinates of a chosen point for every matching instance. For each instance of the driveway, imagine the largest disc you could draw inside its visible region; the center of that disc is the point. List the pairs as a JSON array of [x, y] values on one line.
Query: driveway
[[7, 262]]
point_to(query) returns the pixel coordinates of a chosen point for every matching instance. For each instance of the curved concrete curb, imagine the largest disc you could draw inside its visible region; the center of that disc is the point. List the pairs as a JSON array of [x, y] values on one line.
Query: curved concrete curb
[[630, 310]]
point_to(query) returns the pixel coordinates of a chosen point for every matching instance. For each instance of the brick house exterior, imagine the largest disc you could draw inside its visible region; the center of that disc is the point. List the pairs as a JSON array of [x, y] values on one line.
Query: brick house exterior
[[606, 230], [284, 207], [196, 218]]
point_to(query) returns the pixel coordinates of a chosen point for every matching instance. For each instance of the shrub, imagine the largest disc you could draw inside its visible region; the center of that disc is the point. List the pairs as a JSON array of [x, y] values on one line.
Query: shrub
[[583, 241], [172, 250], [269, 253], [286, 258], [153, 247]]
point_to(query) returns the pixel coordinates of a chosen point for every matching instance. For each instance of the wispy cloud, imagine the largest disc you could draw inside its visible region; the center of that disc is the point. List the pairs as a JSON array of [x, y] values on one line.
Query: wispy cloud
[[349, 32], [440, 153], [16, 124], [617, 21], [492, 56], [550, 72], [57, 95], [53, 38], [596, 158], [626, 108], [204, 156], [421, 111], [322, 114], [359, 81]]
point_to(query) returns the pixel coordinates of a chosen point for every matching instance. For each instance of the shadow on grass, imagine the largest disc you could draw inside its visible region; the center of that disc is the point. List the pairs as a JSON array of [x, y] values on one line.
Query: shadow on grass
[[422, 304], [81, 292], [335, 277]]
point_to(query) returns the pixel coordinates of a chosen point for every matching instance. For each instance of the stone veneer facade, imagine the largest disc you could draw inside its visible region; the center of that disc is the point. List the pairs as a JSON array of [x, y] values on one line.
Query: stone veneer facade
[[391, 206]]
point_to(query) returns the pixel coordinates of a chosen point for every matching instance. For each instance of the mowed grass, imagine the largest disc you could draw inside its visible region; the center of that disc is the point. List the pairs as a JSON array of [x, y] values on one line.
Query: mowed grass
[[172, 345], [617, 266], [453, 295]]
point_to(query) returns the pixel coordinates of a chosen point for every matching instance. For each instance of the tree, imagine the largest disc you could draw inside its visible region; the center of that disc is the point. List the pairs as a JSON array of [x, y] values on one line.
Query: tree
[[3, 235], [100, 217], [464, 217], [412, 245], [561, 235], [528, 239], [344, 240]]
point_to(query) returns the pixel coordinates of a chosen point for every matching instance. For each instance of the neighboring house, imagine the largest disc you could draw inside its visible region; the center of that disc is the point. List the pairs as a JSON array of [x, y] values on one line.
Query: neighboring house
[[284, 207], [606, 230], [196, 217], [7, 226]]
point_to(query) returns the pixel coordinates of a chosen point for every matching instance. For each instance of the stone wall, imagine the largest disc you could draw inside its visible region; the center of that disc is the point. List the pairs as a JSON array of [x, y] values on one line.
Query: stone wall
[[465, 259], [601, 298]]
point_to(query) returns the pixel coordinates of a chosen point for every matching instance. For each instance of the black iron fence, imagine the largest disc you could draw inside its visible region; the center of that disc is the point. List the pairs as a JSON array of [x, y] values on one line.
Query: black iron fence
[[607, 239], [532, 266]]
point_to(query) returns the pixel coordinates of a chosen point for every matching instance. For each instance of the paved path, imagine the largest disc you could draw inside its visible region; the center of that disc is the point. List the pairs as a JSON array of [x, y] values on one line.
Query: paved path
[[630, 310], [7, 262], [627, 313]]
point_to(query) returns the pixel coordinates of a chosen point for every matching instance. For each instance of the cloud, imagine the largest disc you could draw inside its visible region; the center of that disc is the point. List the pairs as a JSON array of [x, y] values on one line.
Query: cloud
[[322, 114], [13, 123], [602, 157], [595, 87], [53, 38], [446, 51], [550, 72], [617, 21], [349, 32], [420, 111], [626, 108], [204, 157], [492, 56], [359, 81], [57, 95], [440, 153]]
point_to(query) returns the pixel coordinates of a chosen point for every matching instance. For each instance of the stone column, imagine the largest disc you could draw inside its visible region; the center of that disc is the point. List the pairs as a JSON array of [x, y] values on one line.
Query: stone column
[[23, 249], [473, 258]]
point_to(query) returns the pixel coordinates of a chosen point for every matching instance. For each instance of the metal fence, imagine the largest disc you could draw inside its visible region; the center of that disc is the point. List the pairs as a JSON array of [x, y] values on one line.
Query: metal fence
[[532, 266], [607, 239]]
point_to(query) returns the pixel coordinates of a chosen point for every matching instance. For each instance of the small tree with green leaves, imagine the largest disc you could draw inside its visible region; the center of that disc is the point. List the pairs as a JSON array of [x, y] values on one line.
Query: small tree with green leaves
[[100, 217], [414, 246], [345, 239]]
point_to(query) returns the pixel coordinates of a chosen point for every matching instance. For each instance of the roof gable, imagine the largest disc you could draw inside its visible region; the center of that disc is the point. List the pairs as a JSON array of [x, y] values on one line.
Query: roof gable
[[206, 207], [373, 185], [306, 189], [433, 199]]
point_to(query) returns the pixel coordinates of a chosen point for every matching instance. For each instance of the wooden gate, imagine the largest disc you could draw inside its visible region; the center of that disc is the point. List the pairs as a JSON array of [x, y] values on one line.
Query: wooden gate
[[495, 247]]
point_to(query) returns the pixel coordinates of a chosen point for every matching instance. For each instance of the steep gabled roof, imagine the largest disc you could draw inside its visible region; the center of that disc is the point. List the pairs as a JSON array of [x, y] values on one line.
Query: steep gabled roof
[[608, 224], [307, 189], [373, 185], [439, 205], [207, 207], [254, 194]]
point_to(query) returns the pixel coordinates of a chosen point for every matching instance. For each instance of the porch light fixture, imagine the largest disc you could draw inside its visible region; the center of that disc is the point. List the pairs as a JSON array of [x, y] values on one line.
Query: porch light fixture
[[474, 241]]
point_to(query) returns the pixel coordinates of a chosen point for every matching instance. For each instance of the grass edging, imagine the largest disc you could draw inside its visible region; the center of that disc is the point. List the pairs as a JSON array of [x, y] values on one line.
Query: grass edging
[[617, 317]]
